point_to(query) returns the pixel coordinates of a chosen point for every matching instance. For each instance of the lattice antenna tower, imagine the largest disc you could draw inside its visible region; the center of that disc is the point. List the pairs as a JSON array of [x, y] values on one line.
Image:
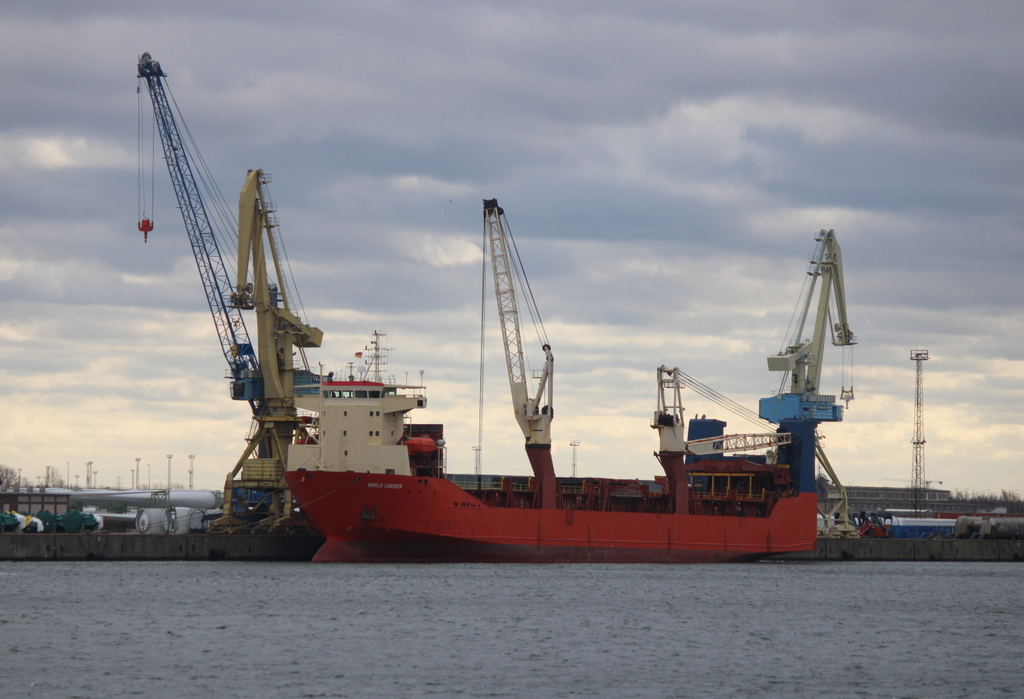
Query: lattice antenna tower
[[376, 362], [918, 484], [574, 444]]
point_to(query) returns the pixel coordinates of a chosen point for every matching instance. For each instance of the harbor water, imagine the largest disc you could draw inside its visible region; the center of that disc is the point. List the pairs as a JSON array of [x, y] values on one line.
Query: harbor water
[[242, 629]]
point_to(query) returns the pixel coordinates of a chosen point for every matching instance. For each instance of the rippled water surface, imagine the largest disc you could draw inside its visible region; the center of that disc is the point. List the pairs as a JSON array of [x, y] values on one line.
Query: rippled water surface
[[230, 629]]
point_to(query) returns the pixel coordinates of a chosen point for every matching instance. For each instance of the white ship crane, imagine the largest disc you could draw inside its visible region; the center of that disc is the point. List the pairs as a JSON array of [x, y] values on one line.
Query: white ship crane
[[532, 413], [668, 419]]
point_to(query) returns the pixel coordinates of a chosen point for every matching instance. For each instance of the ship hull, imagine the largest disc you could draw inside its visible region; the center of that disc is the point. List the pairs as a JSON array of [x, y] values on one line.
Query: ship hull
[[370, 517]]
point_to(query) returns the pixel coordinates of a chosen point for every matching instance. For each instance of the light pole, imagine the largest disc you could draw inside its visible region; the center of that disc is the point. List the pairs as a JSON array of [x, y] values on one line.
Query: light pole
[[89, 473], [138, 472], [191, 469], [169, 457]]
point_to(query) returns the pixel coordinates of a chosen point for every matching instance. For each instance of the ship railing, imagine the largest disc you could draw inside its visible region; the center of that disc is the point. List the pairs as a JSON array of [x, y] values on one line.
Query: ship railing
[[730, 496], [471, 482]]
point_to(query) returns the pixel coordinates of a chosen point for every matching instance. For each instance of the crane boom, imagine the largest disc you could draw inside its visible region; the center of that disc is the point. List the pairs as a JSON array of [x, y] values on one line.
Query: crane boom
[[231, 330], [802, 358], [534, 420]]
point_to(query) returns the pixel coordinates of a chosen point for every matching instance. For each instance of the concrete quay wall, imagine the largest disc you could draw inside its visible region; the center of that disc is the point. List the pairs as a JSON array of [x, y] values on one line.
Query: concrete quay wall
[[911, 550], [163, 547], [301, 547]]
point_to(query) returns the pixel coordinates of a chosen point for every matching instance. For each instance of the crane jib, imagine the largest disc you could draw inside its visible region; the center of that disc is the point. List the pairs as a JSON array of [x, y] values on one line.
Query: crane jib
[[231, 330]]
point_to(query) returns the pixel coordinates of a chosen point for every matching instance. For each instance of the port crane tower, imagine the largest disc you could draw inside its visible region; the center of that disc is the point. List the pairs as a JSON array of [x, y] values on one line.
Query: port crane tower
[[533, 417], [267, 380], [800, 363], [279, 332]]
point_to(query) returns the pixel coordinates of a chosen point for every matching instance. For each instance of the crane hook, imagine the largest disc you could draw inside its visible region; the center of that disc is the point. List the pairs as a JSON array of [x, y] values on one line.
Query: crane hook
[[145, 225]]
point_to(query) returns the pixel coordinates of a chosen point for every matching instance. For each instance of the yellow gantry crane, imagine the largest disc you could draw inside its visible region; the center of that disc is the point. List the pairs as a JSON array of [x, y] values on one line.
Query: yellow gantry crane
[[279, 332]]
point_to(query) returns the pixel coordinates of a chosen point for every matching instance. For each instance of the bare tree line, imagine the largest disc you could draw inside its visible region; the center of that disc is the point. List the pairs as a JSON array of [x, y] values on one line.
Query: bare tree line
[[53, 477], [1010, 499]]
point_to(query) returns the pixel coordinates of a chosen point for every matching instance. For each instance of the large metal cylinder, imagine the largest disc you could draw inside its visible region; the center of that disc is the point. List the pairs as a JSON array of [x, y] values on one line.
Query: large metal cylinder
[[176, 520], [152, 520]]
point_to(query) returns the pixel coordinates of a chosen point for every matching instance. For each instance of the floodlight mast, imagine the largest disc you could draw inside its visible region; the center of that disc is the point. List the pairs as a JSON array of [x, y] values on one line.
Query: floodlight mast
[[918, 485]]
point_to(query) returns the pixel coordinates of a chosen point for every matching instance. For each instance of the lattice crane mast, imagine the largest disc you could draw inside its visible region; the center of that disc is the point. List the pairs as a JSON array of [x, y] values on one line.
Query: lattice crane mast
[[533, 417], [234, 338]]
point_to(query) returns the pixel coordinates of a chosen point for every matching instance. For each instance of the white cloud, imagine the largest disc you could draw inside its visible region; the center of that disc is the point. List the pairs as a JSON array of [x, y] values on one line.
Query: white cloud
[[60, 153], [429, 186], [725, 122], [435, 250]]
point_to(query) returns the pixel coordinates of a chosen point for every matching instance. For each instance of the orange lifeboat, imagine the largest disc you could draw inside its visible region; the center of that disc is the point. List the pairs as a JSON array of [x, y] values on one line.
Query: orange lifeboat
[[420, 445]]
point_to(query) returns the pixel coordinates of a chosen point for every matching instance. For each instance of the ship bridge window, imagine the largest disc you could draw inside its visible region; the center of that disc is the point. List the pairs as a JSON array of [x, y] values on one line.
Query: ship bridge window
[[345, 394], [374, 394], [390, 391]]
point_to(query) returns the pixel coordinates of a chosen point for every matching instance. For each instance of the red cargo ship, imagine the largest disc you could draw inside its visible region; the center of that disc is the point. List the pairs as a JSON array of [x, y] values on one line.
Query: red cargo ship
[[368, 517], [376, 486], [386, 497]]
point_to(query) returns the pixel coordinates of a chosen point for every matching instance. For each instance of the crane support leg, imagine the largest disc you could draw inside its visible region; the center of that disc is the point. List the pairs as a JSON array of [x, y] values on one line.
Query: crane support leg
[[545, 487], [674, 464], [840, 510]]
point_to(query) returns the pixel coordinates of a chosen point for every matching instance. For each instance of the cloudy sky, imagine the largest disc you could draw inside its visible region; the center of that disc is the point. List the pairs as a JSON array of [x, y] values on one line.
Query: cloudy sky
[[663, 165]]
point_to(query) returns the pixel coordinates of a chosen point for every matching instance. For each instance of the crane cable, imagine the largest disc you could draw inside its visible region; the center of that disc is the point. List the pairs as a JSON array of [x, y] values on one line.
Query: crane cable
[[523, 284], [478, 467], [723, 401], [225, 215], [847, 393], [227, 229], [146, 214]]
